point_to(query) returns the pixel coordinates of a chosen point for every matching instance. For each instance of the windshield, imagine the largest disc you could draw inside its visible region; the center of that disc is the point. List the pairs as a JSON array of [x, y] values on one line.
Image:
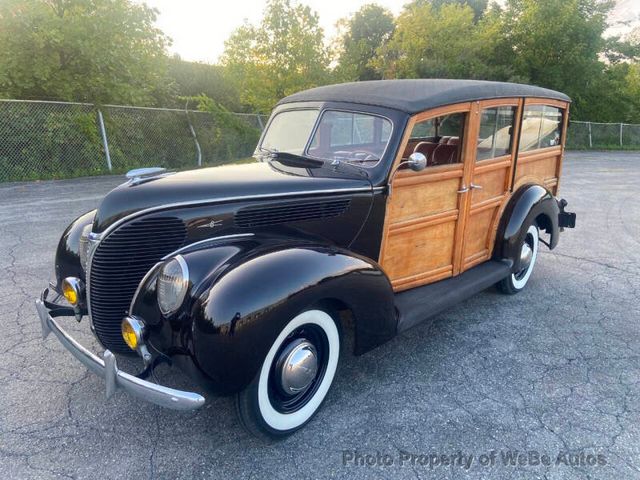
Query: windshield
[[356, 138]]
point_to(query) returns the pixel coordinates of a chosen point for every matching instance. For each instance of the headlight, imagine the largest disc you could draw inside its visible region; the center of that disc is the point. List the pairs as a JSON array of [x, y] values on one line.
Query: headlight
[[172, 285]]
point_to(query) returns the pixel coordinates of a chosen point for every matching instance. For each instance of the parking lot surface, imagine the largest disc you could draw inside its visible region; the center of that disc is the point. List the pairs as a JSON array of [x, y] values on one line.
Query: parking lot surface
[[553, 372]]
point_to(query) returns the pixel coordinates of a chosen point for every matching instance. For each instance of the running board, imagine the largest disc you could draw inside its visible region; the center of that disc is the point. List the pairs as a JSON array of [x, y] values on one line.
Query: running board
[[418, 304]]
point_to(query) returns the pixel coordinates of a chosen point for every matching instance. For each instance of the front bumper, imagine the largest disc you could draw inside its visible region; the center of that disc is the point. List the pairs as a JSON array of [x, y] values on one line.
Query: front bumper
[[107, 368]]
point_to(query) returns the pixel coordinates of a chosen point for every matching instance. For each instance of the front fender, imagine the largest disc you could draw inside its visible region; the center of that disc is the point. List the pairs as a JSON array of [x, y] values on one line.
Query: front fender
[[67, 263], [243, 294], [530, 203]]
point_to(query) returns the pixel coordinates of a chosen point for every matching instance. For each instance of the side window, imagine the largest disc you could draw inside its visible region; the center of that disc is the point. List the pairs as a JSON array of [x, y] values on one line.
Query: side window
[[496, 132], [439, 139], [541, 127]]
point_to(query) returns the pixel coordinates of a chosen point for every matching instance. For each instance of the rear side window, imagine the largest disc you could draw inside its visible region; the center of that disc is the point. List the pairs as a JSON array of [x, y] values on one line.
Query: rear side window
[[496, 132], [541, 127]]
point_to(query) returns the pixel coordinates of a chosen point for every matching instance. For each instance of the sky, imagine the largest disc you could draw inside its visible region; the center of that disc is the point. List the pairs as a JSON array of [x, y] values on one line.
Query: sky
[[200, 27]]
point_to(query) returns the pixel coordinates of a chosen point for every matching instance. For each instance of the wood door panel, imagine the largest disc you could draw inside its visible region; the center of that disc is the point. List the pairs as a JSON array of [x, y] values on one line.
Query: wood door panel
[[477, 236], [414, 255], [423, 199], [492, 183]]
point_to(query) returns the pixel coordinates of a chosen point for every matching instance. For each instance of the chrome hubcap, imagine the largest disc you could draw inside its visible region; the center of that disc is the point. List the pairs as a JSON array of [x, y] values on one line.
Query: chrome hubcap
[[298, 365], [526, 255]]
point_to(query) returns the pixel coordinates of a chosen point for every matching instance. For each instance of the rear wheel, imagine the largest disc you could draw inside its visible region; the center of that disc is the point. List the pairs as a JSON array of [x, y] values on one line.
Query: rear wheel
[[294, 379], [516, 282]]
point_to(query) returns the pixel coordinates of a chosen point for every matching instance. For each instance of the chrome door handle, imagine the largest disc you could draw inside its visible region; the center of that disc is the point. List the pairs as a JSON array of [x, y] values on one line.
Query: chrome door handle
[[475, 187], [463, 189]]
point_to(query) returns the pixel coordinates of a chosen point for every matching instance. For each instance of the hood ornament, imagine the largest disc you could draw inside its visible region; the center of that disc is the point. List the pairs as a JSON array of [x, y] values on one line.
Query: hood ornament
[[139, 175]]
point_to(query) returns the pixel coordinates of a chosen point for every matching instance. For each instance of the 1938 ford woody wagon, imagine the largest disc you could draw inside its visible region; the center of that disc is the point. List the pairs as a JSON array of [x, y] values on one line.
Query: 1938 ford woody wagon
[[386, 201]]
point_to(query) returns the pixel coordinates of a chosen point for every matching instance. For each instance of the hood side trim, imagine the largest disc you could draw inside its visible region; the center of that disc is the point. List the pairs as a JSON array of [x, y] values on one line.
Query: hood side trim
[[170, 206]]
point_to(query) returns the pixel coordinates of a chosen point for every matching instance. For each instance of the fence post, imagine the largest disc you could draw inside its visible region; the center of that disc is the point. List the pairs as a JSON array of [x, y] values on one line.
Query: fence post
[[260, 122], [621, 134], [590, 139], [105, 143]]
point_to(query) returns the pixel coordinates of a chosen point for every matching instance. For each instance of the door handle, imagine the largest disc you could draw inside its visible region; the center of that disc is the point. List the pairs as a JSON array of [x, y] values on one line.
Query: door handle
[[463, 189], [475, 187]]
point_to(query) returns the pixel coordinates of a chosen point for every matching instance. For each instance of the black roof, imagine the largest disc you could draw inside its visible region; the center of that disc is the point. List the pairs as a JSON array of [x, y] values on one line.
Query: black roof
[[413, 96]]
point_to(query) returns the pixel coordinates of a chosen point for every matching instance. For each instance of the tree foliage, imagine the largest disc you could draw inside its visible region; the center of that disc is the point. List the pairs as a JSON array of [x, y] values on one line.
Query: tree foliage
[[109, 51], [102, 51], [282, 55], [369, 29], [192, 79], [442, 41]]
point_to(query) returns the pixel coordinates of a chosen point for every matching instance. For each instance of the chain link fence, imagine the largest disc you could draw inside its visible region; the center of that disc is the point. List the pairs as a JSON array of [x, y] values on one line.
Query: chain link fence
[[48, 140], [607, 136]]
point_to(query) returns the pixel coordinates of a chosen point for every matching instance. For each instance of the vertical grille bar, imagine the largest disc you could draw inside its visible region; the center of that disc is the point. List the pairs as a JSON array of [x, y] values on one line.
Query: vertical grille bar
[[118, 265]]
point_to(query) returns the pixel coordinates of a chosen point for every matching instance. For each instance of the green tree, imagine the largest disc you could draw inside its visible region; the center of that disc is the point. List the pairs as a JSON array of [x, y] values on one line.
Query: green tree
[[478, 6], [191, 79], [365, 32], [555, 44], [282, 55], [437, 42], [101, 51]]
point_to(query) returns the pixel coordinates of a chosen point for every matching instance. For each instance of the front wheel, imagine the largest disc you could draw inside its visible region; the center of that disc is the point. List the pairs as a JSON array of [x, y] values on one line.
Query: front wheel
[[294, 379], [516, 282]]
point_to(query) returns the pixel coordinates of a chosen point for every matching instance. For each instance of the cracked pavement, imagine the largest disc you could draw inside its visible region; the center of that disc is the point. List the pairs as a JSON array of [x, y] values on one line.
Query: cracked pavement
[[554, 369]]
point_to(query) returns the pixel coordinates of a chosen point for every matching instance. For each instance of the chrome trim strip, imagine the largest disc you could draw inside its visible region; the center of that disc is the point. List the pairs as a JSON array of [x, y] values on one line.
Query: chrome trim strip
[[114, 378], [94, 241], [192, 203], [206, 240]]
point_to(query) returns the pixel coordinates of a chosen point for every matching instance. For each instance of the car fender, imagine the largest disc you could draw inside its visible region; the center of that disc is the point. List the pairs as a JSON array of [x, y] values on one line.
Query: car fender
[[67, 262], [528, 204], [244, 292]]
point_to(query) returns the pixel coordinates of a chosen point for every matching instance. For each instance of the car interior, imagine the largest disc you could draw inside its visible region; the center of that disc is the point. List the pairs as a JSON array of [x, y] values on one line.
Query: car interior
[[439, 139]]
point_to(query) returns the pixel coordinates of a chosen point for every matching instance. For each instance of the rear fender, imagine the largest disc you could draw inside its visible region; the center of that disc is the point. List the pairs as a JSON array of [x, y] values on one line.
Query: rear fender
[[531, 203]]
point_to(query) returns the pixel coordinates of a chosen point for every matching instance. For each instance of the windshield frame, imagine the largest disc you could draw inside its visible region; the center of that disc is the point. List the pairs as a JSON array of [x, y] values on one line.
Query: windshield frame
[[322, 109]]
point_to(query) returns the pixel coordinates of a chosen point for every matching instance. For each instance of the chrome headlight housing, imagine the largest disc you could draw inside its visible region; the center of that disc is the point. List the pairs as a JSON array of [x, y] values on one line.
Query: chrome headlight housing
[[84, 246], [172, 285]]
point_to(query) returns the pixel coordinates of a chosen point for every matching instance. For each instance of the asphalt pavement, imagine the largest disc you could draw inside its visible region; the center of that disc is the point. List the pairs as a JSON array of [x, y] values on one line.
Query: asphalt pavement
[[552, 373]]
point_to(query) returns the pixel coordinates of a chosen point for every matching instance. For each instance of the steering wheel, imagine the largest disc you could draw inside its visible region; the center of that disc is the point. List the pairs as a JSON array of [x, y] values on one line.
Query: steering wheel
[[352, 156]]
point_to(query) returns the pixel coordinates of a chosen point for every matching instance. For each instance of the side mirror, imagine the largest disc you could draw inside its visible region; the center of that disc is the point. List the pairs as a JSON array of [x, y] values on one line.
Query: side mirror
[[417, 161]]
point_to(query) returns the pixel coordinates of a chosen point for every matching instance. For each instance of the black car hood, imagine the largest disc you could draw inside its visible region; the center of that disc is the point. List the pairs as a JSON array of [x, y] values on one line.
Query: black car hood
[[216, 184]]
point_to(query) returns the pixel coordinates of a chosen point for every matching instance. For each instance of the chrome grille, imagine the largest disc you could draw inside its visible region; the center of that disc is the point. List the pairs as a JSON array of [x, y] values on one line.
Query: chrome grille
[[117, 267]]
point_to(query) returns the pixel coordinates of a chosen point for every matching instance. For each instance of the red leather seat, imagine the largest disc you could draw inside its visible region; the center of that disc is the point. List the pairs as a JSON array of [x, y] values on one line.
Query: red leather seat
[[454, 141], [445, 155], [444, 140], [426, 148]]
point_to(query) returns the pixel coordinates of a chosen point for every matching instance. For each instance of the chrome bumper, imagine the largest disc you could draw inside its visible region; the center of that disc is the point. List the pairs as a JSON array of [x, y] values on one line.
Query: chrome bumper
[[114, 378]]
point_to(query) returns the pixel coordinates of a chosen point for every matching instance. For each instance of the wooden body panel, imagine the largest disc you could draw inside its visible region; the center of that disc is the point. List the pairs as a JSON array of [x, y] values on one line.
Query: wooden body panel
[[434, 229], [539, 166]]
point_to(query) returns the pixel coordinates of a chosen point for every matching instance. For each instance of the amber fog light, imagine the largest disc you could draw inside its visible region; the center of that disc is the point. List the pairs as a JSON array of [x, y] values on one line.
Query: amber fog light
[[133, 332], [73, 290]]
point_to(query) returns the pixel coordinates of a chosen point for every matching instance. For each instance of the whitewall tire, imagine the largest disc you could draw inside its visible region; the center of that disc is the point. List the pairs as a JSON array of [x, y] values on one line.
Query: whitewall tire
[[295, 377], [529, 246]]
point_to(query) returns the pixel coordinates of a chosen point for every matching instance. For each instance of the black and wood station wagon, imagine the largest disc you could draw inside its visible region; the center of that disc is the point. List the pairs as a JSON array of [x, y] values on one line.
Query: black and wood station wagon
[[371, 206]]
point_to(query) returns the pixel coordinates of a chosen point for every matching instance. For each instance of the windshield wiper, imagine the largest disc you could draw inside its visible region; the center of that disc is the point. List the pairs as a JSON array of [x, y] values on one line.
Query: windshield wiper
[[293, 160], [289, 159]]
